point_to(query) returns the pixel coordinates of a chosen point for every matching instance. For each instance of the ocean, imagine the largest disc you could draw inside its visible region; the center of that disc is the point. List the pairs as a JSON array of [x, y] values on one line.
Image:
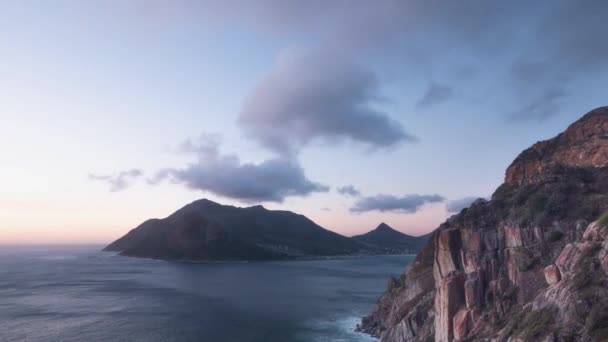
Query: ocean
[[78, 293]]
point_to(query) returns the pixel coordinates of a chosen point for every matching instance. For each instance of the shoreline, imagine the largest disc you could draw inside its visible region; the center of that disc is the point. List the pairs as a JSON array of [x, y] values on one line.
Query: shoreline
[[296, 259]]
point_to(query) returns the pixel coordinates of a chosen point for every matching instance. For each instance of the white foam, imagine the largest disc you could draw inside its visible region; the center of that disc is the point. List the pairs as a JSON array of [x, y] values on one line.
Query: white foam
[[341, 329]]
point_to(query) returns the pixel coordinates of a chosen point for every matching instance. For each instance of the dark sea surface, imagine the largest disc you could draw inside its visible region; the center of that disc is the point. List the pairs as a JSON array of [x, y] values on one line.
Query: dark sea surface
[[77, 293]]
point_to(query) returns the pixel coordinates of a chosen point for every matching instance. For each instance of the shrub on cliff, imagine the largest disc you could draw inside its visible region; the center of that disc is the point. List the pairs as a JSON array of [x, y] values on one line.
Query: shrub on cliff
[[531, 324], [597, 321], [555, 236], [587, 275], [603, 220]]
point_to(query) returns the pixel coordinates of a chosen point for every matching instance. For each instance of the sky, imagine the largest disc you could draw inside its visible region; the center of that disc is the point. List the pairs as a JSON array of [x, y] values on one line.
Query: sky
[[349, 112]]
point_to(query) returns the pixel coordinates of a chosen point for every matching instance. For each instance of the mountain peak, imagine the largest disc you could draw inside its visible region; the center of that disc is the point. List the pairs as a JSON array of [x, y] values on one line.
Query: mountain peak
[[591, 125], [584, 144], [384, 226], [391, 240], [204, 201], [206, 230], [257, 207]]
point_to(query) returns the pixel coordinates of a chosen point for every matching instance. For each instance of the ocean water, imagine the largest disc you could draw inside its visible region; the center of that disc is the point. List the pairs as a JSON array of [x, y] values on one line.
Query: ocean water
[[78, 293]]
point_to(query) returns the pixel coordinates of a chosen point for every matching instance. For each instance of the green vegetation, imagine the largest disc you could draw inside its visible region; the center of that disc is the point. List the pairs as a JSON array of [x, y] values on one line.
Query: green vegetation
[[569, 333], [534, 211], [555, 236], [597, 321], [603, 220], [537, 323], [510, 294], [541, 205], [393, 282], [586, 265], [532, 324], [528, 259], [530, 264]]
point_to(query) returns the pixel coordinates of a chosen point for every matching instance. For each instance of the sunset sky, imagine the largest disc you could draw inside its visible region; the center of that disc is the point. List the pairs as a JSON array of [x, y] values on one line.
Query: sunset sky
[[349, 112]]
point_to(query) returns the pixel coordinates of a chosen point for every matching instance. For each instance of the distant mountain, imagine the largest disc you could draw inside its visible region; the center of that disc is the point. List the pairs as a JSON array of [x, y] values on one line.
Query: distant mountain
[[205, 230], [390, 241]]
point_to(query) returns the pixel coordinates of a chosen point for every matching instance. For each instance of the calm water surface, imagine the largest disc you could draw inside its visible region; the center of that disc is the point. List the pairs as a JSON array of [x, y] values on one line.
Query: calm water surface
[[80, 294]]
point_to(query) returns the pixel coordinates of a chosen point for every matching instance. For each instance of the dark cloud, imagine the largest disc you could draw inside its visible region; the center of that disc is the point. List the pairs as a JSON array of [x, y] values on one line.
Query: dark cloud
[[574, 32], [405, 204], [455, 206], [120, 181], [543, 106], [311, 97], [353, 25], [563, 40], [225, 175], [348, 190], [567, 43], [435, 94]]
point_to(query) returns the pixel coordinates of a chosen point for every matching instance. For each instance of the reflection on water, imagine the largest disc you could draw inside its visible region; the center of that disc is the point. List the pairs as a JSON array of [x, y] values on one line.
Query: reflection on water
[[78, 293]]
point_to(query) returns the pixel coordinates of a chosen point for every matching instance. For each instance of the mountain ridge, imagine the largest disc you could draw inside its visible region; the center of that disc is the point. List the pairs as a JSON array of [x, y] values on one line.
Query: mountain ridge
[[392, 241], [206, 230]]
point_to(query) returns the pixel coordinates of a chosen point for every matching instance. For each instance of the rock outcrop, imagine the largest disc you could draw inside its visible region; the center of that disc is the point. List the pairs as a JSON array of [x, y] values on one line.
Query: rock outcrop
[[552, 274], [584, 144], [404, 311], [506, 269], [577, 297]]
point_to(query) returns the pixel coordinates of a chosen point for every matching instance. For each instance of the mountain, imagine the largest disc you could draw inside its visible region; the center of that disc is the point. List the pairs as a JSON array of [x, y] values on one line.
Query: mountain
[[205, 230], [387, 240], [530, 264]]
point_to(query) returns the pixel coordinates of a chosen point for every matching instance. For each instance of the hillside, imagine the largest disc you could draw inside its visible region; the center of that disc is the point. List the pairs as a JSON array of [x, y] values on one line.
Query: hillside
[[205, 230], [387, 240]]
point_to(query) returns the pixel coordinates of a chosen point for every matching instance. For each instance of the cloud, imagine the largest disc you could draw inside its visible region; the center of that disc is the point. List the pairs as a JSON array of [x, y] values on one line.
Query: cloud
[[120, 181], [310, 96], [206, 144], [348, 190], [435, 94], [160, 176], [542, 107], [563, 39], [455, 206], [567, 43], [272, 180], [406, 204], [326, 209]]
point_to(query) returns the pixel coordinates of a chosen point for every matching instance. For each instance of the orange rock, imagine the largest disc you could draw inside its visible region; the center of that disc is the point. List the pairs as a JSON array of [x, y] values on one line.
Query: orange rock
[[552, 274], [472, 293], [449, 298], [583, 144], [462, 324]]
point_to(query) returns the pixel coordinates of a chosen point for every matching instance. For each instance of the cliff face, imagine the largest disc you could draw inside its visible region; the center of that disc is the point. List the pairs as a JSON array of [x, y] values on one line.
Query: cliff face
[[583, 144], [502, 269]]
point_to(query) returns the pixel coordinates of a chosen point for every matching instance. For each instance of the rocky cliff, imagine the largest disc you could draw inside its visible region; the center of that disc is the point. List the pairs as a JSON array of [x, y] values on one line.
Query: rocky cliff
[[526, 265]]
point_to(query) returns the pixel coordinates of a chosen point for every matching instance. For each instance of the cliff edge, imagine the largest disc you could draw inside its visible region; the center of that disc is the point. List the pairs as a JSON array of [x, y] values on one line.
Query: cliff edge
[[528, 265]]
